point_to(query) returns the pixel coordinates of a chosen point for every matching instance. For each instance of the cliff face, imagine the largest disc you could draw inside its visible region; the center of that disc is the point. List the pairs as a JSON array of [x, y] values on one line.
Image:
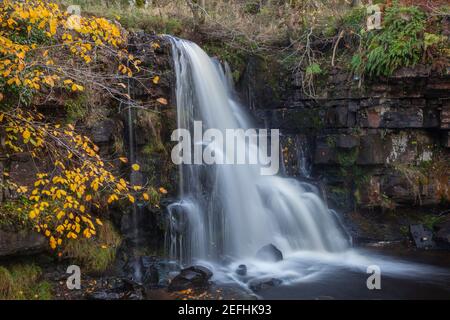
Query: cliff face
[[382, 145]]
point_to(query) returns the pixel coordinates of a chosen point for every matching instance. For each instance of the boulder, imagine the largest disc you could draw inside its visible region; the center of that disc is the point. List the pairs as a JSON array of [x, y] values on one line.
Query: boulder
[[262, 284], [423, 238], [194, 277], [241, 270], [269, 253]]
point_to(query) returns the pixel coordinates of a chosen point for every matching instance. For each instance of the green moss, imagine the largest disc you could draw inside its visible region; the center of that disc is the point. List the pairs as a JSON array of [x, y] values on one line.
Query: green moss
[[23, 282], [355, 19], [399, 43], [155, 147], [95, 255], [76, 109], [237, 58], [431, 220]]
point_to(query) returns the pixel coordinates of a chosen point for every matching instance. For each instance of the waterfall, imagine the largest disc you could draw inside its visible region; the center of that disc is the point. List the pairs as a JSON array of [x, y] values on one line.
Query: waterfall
[[232, 210]]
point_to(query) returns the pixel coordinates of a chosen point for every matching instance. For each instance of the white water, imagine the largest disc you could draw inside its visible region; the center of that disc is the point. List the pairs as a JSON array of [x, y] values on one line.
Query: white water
[[228, 212], [232, 209]]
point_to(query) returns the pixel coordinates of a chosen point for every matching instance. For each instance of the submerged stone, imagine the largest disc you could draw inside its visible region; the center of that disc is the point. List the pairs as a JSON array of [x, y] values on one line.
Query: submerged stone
[[241, 270], [269, 253], [191, 278], [262, 284]]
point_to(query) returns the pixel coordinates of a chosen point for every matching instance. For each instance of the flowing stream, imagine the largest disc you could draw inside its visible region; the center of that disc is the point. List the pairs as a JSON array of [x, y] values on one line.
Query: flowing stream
[[226, 213]]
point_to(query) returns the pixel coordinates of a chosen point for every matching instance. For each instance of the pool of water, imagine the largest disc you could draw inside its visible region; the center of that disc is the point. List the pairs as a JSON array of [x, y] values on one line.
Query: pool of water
[[404, 274]]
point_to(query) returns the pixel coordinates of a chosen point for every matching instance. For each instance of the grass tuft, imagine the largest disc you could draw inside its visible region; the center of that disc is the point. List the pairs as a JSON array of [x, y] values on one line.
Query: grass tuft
[[23, 282], [95, 255]]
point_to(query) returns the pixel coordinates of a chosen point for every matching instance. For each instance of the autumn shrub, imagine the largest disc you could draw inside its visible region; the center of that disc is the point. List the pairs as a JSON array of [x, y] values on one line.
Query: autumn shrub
[[97, 255], [44, 50], [167, 19]]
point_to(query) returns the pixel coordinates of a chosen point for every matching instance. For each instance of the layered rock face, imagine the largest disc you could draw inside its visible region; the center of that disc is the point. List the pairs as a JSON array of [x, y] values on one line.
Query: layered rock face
[[381, 143]]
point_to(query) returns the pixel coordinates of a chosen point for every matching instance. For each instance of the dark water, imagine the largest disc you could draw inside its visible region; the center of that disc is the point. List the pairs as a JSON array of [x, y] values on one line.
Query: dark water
[[405, 274]]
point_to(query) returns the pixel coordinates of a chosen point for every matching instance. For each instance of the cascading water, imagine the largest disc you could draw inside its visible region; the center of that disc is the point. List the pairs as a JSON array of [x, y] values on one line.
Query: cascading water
[[232, 210], [226, 213]]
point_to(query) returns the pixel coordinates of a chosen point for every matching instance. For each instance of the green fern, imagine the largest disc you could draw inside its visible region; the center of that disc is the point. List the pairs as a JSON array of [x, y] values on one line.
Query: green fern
[[399, 44]]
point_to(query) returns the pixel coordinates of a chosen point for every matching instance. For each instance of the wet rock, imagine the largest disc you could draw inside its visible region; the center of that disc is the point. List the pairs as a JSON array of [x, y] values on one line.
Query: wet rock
[[103, 295], [446, 139], [269, 253], [337, 117], [150, 271], [124, 289], [346, 141], [443, 233], [402, 118], [103, 131], [194, 277], [262, 284], [151, 276], [325, 152], [241, 270], [157, 272], [371, 150], [130, 290], [422, 237]]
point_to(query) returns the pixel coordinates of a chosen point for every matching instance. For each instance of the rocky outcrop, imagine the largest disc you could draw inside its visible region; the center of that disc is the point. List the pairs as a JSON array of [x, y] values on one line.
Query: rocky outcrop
[[382, 145], [20, 243]]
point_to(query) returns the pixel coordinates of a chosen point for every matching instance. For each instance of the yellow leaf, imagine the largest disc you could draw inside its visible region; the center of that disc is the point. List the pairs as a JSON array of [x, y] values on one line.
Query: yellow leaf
[[156, 80], [77, 87], [98, 222], [26, 135], [135, 167], [162, 101], [162, 190], [145, 196], [22, 189], [131, 198], [53, 25], [123, 159]]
